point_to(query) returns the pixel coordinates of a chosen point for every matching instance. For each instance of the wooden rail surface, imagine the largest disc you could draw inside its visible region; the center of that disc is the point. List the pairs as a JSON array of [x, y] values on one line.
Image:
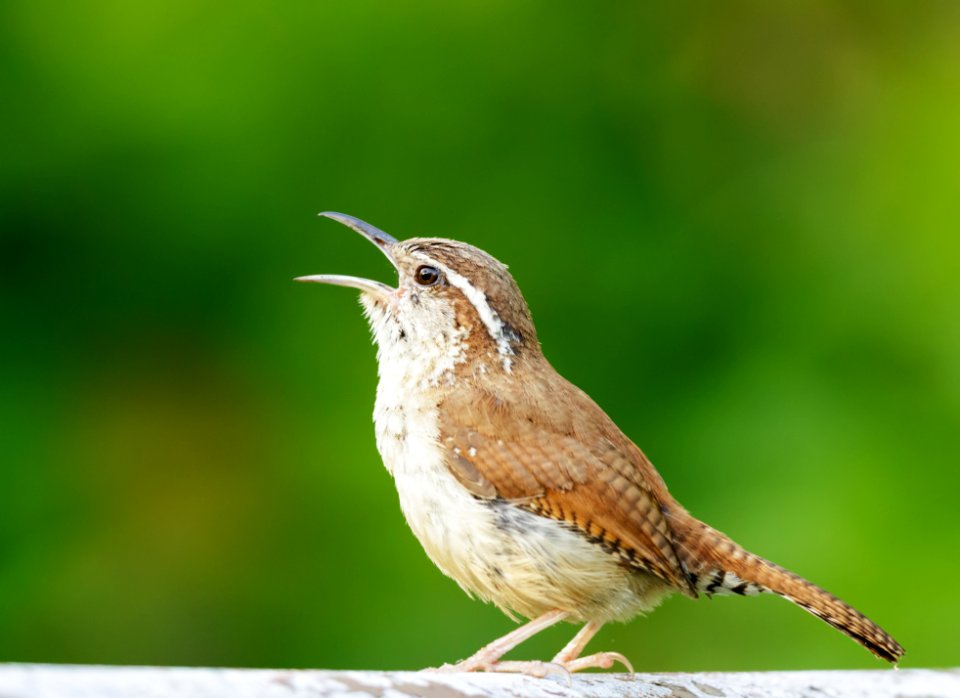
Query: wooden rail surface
[[66, 681]]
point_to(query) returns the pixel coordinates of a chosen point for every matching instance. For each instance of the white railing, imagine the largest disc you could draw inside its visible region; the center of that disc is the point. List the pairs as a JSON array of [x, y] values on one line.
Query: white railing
[[66, 681]]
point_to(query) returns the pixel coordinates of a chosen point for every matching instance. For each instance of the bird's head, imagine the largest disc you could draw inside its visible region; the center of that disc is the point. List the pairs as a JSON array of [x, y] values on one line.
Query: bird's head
[[451, 299]]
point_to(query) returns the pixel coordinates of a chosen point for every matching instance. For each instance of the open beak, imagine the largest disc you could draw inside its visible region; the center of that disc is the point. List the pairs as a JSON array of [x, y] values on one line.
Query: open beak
[[379, 238]]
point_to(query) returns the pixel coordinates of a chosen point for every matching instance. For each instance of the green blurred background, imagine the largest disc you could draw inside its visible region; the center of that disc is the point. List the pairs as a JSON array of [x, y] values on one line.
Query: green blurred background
[[736, 223]]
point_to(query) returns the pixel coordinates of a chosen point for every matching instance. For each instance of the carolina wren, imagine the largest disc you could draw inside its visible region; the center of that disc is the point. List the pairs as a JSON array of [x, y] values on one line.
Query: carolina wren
[[517, 484]]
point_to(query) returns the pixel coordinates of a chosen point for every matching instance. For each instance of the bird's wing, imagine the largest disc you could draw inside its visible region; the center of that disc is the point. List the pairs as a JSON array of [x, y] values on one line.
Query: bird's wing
[[598, 481]]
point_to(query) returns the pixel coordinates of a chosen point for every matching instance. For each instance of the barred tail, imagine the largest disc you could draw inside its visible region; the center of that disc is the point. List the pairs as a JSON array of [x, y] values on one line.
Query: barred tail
[[717, 565]]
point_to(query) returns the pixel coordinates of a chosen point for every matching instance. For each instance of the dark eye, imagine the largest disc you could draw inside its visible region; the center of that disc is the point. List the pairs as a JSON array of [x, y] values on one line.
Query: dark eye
[[427, 276]]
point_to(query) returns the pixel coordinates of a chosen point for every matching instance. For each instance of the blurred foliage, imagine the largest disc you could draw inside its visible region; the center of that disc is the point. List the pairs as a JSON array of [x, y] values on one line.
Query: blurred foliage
[[736, 223]]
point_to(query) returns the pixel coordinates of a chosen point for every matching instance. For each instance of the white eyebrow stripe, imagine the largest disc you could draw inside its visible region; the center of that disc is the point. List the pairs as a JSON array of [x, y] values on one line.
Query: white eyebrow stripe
[[488, 316]]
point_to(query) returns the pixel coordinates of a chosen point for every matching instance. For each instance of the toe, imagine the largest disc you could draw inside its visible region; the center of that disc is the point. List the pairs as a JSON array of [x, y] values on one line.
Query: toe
[[531, 668], [601, 660]]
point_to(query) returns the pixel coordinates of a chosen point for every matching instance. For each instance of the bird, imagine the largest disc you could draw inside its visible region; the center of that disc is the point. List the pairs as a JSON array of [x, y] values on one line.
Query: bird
[[518, 485]]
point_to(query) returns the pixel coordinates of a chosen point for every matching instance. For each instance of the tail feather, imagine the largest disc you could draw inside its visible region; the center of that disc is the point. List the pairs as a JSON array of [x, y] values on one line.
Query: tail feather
[[717, 565]]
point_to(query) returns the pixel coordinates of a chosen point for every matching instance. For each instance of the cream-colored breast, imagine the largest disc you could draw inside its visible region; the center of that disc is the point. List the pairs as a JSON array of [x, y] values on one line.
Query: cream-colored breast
[[515, 559]]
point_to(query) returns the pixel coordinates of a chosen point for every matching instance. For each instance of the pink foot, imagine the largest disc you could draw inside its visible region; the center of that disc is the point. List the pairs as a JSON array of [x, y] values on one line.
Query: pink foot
[[600, 660], [535, 669]]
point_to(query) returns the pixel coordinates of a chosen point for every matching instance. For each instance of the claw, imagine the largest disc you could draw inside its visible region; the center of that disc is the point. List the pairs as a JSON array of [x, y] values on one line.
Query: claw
[[600, 660]]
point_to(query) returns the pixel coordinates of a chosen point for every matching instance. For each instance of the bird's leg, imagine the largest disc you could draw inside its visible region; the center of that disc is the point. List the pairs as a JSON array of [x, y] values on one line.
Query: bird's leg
[[487, 659], [569, 657]]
